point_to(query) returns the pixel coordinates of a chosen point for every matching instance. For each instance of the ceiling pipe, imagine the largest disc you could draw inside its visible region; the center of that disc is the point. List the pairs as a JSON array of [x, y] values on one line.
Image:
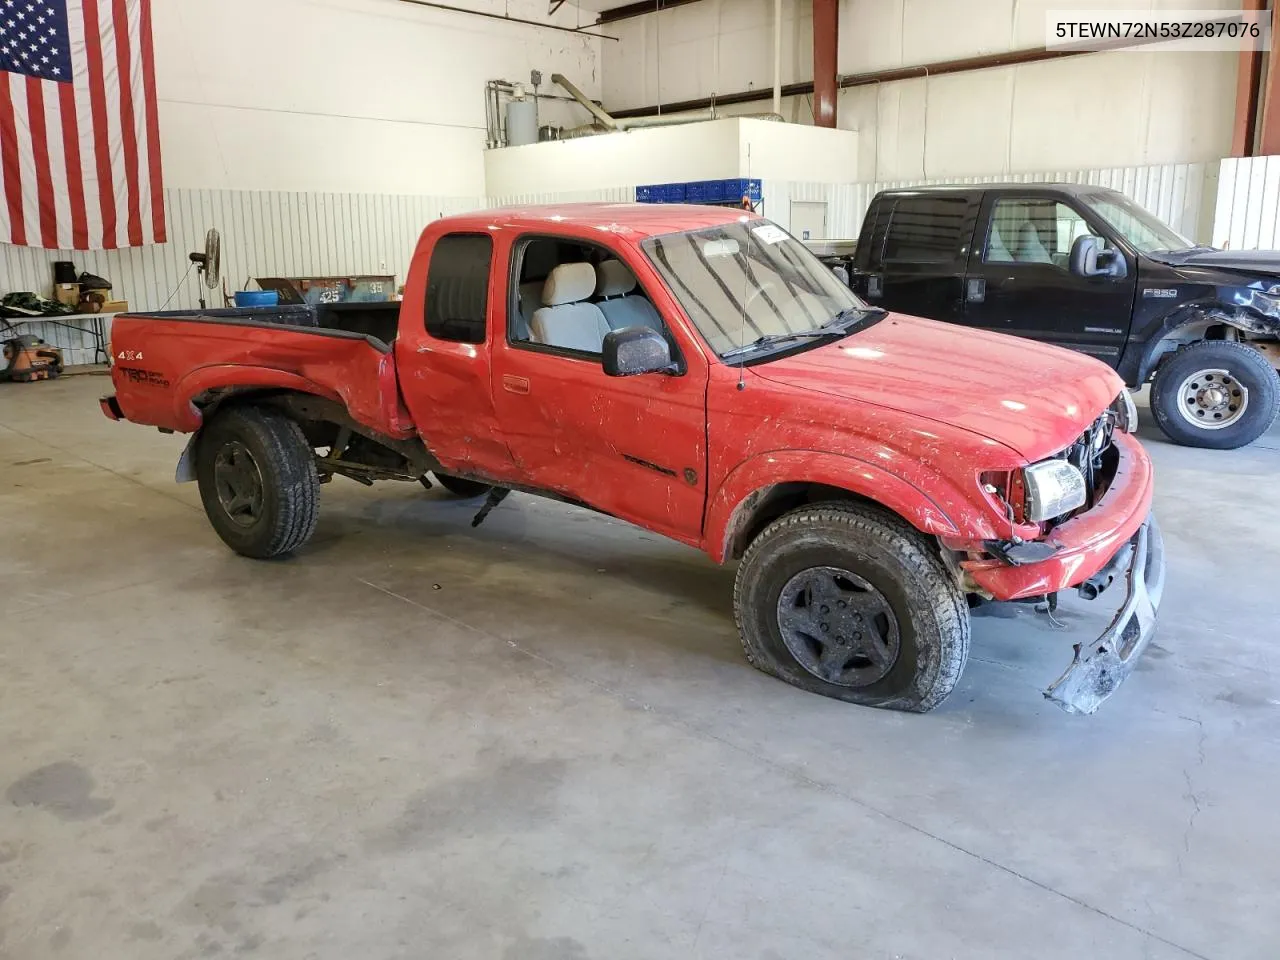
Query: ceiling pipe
[[826, 44], [777, 56], [501, 16]]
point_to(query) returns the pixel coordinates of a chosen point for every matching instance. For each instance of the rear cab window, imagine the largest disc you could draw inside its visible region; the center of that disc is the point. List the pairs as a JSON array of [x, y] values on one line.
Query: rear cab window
[[925, 229], [458, 287]]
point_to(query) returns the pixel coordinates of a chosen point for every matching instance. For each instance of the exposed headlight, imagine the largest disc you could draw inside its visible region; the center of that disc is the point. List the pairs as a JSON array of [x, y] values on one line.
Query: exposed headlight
[[1053, 487], [1125, 412]]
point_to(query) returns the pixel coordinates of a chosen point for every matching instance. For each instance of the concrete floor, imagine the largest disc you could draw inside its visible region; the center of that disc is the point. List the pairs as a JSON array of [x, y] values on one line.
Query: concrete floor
[[540, 741]]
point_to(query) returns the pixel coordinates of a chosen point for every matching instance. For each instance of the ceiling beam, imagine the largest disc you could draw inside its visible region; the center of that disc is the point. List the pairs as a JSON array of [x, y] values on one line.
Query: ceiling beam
[[803, 88], [629, 10]]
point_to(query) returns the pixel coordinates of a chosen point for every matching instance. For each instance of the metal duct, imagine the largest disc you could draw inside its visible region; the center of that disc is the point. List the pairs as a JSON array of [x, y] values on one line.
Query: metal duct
[[593, 108]]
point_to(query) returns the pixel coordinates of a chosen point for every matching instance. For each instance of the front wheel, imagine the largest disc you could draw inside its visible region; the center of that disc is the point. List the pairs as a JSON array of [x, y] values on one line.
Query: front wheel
[[1217, 393], [850, 602], [258, 481]]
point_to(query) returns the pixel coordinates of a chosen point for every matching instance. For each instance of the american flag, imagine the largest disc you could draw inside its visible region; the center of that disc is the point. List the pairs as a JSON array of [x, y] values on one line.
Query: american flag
[[79, 127]]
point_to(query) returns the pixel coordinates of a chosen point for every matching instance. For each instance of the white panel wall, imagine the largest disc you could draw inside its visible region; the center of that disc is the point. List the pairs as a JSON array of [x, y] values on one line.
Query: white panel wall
[[1248, 204], [711, 150], [1180, 194], [368, 96], [263, 234], [1128, 109]]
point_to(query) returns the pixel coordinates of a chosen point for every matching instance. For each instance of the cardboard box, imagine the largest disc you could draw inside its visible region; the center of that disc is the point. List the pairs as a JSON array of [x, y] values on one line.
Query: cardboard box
[[116, 306], [67, 293]]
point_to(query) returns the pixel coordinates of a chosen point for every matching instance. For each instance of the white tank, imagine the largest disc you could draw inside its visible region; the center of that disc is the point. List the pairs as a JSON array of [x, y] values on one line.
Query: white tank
[[522, 122]]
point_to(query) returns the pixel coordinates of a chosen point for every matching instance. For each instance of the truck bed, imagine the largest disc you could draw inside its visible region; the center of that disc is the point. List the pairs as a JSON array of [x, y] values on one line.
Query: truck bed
[[168, 365]]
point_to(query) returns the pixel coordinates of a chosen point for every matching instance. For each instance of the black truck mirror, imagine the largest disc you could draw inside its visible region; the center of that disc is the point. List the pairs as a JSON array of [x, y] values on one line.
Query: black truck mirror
[[635, 350], [1089, 259]]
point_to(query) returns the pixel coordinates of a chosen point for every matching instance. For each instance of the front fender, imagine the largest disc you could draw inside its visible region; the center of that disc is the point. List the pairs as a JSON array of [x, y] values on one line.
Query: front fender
[[943, 512]]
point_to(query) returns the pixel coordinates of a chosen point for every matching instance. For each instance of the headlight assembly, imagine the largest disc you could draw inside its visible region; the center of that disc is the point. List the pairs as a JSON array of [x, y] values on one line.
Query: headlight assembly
[[1053, 487]]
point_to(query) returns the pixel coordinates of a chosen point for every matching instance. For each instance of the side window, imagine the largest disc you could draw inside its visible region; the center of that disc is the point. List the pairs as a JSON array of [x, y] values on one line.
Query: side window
[[458, 287], [568, 296], [1029, 230], [925, 229]]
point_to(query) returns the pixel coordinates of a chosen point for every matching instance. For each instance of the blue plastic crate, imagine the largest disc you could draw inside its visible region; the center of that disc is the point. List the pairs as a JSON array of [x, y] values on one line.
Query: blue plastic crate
[[700, 191], [735, 189], [644, 194], [675, 192]]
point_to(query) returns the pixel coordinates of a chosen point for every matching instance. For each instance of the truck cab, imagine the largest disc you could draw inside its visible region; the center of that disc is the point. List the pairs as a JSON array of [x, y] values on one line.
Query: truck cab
[[1084, 267]]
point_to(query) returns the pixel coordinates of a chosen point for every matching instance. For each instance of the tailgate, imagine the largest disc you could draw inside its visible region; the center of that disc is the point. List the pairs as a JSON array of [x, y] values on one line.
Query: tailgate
[[162, 364]]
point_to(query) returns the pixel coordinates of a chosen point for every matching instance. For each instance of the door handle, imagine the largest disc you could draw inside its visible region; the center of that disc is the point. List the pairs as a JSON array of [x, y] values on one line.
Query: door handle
[[976, 290], [513, 384]]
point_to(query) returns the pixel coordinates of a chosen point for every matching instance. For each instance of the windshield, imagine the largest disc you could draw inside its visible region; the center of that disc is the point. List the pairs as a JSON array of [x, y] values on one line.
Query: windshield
[[1143, 231], [749, 283]]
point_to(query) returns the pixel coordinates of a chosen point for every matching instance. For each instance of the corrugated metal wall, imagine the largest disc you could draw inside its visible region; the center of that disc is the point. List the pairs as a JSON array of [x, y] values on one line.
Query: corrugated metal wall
[[1248, 208], [263, 234], [1181, 194]]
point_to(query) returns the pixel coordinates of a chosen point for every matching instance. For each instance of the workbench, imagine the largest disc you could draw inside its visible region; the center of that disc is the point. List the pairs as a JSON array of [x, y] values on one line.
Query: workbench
[[93, 324]]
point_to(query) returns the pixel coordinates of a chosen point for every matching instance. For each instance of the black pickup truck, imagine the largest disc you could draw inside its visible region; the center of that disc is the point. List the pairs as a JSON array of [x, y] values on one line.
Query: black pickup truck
[[1084, 267]]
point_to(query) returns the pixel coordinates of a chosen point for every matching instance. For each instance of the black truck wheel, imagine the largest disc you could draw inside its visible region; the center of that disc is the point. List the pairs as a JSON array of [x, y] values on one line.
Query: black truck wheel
[[463, 489], [848, 601], [258, 481], [1216, 393]]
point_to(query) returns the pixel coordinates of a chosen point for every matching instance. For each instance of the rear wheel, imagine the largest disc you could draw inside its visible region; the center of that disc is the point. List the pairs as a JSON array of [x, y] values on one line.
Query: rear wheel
[[1216, 393], [258, 482], [463, 489], [850, 602]]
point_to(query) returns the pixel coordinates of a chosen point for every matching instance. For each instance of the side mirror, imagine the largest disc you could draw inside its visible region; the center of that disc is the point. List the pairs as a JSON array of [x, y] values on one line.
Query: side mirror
[[1089, 259], [634, 350]]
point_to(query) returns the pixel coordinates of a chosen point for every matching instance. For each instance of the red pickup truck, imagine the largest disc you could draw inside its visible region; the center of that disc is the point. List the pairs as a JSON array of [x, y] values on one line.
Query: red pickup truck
[[697, 372]]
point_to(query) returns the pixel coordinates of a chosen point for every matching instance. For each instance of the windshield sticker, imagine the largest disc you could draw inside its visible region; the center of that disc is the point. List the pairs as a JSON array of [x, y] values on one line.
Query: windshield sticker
[[769, 233]]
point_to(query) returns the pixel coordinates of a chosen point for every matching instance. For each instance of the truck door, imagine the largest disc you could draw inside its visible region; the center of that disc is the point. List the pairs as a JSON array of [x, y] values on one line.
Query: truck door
[[917, 255], [443, 364], [633, 447], [1019, 279]]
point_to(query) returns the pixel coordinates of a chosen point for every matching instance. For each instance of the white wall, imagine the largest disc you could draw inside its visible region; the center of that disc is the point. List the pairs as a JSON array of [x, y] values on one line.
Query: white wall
[[712, 150], [376, 96], [1113, 109]]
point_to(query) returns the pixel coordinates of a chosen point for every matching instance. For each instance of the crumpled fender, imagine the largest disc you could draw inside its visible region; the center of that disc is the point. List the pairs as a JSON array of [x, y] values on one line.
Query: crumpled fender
[[223, 376], [731, 504]]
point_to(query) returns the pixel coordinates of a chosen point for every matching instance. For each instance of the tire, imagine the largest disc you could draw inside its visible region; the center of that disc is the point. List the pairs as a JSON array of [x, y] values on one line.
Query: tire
[[246, 449], [1215, 368], [462, 489], [898, 566]]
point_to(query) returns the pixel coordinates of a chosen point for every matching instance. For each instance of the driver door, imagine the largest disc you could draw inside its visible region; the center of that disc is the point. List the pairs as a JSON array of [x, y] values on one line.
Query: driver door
[[632, 447], [1019, 279]]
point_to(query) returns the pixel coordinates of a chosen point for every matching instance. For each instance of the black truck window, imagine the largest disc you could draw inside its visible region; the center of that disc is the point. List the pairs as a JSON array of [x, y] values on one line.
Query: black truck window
[[1032, 230], [925, 229], [458, 287]]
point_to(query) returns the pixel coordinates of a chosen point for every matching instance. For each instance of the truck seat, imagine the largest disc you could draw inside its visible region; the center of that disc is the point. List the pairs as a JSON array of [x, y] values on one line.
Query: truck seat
[[1029, 248], [530, 299], [614, 282], [565, 320]]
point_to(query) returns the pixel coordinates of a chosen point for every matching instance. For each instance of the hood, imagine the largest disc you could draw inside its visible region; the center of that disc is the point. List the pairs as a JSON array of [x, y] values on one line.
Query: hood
[[1033, 398], [1252, 261]]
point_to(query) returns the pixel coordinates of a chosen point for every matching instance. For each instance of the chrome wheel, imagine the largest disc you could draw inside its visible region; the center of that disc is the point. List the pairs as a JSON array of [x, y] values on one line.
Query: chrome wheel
[[1212, 399], [838, 626], [238, 482]]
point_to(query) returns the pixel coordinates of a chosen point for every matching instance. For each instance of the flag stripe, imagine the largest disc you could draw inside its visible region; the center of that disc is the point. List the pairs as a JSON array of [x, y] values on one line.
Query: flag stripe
[[12, 172], [75, 172], [101, 145], [153, 125], [88, 141], [128, 122], [40, 155]]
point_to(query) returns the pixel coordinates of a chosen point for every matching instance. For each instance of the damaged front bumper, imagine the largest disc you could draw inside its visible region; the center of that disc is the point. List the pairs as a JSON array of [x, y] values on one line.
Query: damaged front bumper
[[1100, 667]]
